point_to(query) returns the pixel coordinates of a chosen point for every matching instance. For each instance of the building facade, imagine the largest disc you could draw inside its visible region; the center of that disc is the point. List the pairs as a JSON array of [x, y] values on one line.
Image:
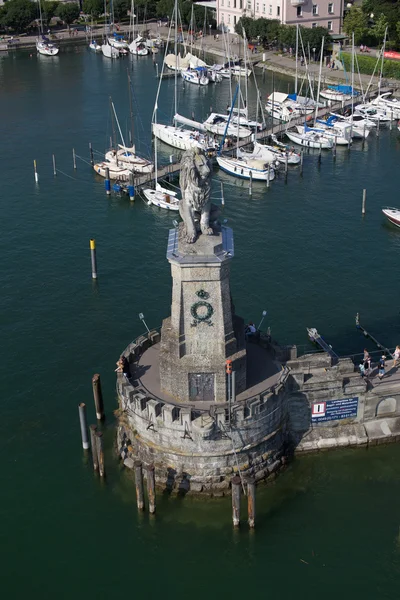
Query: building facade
[[307, 13]]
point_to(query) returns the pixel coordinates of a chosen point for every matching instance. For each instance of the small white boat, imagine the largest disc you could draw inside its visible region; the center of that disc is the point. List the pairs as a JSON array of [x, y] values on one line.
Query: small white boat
[[284, 107], [393, 214], [183, 139], [340, 131], [109, 51], [95, 46], [276, 153], [138, 47], [45, 47], [246, 167], [398, 126], [216, 123], [127, 158], [115, 171], [117, 41], [309, 139], [372, 113], [338, 93], [162, 197], [389, 104], [196, 76]]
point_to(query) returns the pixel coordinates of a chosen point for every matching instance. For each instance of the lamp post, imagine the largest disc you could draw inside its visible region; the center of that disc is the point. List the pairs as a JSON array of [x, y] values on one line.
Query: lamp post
[[141, 317]]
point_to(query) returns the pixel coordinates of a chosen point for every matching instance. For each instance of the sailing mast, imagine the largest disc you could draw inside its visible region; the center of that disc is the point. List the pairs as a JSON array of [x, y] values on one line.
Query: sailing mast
[[383, 56], [130, 111], [352, 85], [297, 52], [319, 80], [176, 59]]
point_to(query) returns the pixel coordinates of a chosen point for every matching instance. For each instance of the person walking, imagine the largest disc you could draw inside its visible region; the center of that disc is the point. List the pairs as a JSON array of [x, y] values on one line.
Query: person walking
[[381, 367], [396, 356]]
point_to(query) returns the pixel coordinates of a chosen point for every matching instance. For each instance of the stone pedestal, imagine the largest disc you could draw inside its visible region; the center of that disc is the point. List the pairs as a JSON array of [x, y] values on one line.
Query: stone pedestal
[[203, 331]]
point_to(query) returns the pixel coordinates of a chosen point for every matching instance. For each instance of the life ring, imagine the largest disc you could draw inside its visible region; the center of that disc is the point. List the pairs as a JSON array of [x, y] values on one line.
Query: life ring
[[309, 118]]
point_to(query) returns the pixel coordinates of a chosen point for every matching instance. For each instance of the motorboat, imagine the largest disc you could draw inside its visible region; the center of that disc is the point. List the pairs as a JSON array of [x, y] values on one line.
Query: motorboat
[[162, 197], [198, 76], [276, 153], [46, 47], [393, 215], [109, 51], [372, 113], [117, 41], [309, 138], [127, 158], [340, 130], [359, 126], [338, 93], [389, 104], [284, 107], [218, 124], [246, 167], [214, 76], [138, 47], [95, 46]]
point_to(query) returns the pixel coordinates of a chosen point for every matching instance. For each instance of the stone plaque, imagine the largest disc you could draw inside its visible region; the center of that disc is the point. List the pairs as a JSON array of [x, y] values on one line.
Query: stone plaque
[[201, 387]]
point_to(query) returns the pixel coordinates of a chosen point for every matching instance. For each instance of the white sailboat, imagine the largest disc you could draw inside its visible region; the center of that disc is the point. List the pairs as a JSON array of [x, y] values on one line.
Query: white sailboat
[[43, 45], [198, 76], [309, 138], [276, 154], [108, 49], [93, 45]]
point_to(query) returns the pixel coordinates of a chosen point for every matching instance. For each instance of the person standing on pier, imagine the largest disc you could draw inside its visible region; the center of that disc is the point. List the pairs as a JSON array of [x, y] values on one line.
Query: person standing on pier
[[396, 356], [381, 367]]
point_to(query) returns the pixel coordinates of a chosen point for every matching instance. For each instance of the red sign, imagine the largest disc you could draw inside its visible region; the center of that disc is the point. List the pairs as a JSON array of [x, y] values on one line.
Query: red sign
[[395, 55]]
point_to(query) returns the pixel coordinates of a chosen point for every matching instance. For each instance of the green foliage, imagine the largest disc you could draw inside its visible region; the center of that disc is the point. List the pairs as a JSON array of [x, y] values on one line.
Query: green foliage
[[270, 31], [95, 8], [48, 11], [356, 21], [165, 9], [18, 14], [366, 64], [68, 12], [385, 12], [121, 8]]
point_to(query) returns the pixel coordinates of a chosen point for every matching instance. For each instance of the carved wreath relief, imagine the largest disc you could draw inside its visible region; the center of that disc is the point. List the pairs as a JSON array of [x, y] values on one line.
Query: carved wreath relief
[[202, 311]]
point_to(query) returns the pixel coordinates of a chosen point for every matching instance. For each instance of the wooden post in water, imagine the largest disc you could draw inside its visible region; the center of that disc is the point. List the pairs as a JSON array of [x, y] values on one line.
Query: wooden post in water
[[74, 158], [286, 166], [236, 488], [131, 188], [377, 129], [251, 502], [54, 166], [268, 174], [83, 424], [364, 200], [301, 161], [93, 258], [107, 182], [100, 452], [35, 171], [251, 183], [151, 488], [320, 153], [91, 154], [139, 485], [93, 443], [334, 148], [222, 194], [391, 120], [98, 397], [363, 142]]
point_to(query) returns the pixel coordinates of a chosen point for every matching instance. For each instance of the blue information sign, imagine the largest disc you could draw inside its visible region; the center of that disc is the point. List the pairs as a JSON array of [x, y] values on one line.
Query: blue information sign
[[333, 410]]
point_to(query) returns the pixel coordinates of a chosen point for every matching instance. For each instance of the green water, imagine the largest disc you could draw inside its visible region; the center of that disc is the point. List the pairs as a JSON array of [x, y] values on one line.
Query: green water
[[330, 524]]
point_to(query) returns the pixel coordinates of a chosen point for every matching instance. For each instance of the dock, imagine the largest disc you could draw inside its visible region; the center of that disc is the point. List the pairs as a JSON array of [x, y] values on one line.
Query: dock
[[371, 337], [319, 340]]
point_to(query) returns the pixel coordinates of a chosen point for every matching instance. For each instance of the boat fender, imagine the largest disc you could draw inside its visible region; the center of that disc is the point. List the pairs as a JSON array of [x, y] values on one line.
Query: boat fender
[[309, 118], [167, 198]]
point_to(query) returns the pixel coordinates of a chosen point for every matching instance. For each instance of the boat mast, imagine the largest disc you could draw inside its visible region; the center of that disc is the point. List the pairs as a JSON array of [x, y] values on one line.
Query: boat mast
[[352, 81], [132, 21], [319, 80], [238, 116], [383, 56], [297, 52], [155, 149], [119, 128], [130, 110], [40, 19], [176, 58]]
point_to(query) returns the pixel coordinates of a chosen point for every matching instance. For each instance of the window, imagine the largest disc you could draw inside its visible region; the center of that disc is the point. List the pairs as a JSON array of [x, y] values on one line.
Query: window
[[248, 4], [270, 9], [229, 18], [241, 4], [315, 9], [257, 7], [330, 8], [222, 17], [313, 25], [278, 11], [229, 3], [299, 11], [330, 28], [264, 8], [222, 2], [234, 3], [234, 19]]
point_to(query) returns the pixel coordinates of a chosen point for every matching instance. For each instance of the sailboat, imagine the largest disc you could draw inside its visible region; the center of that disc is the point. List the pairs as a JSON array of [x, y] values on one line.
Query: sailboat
[[308, 138], [93, 44], [137, 45], [160, 196], [108, 49], [43, 44]]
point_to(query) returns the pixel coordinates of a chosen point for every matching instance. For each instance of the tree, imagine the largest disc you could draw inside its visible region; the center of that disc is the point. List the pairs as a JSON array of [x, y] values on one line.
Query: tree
[[68, 12], [48, 11], [356, 21], [378, 30], [121, 8], [95, 8], [18, 14]]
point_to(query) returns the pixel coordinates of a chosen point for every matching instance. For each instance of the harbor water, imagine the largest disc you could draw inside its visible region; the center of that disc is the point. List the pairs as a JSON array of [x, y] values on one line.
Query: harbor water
[[303, 252]]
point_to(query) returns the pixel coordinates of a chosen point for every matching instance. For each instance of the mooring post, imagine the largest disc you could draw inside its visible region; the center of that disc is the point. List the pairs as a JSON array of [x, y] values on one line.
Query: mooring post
[[93, 258], [391, 120], [100, 452], [83, 423], [320, 153], [93, 443], [131, 188], [268, 174], [377, 129], [286, 165], [54, 165], [251, 183], [301, 162], [251, 502], [139, 485], [98, 397], [35, 171], [363, 142], [222, 194], [157, 70], [364, 200], [74, 158], [334, 147], [91, 154], [151, 488], [236, 489], [107, 182]]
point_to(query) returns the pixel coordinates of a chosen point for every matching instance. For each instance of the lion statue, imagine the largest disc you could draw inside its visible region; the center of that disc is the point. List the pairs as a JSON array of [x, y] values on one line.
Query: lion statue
[[195, 207]]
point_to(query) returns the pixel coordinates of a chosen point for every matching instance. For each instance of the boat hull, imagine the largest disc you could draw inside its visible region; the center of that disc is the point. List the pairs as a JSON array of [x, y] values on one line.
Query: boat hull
[[393, 215], [308, 142], [130, 161], [241, 169], [161, 199]]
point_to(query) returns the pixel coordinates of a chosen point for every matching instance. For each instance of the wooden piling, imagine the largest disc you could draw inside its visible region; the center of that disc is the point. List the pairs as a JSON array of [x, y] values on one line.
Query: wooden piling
[[364, 200], [131, 188], [54, 166], [74, 158], [320, 153], [107, 182], [334, 148], [222, 194], [378, 127], [83, 424], [93, 258], [98, 397], [236, 489], [93, 443], [301, 162], [100, 452], [151, 488], [139, 485], [251, 502], [268, 174], [91, 154], [35, 171], [251, 183]]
